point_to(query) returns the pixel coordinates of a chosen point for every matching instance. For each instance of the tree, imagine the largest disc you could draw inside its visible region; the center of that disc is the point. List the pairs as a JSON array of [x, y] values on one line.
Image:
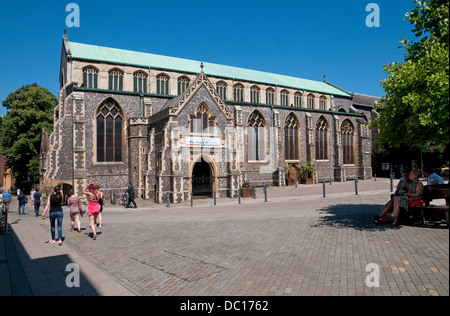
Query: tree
[[415, 110], [30, 110]]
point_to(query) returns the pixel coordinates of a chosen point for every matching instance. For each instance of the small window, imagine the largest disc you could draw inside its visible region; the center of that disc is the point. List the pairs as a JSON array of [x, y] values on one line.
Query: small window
[[310, 101], [284, 98], [116, 80], [201, 122], [90, 77], [323, 103], [140, 82], [162, 85], [298, 100], [238, 93], [270, 96], [221, 89], [254, 94], [183, 84]]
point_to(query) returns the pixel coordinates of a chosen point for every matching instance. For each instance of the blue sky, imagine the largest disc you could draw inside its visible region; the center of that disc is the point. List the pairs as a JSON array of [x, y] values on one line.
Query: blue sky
[[306, 39]]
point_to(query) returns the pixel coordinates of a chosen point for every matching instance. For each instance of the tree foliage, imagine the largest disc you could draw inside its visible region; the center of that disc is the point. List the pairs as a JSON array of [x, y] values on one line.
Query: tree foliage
[[415, 109], [30, 110]]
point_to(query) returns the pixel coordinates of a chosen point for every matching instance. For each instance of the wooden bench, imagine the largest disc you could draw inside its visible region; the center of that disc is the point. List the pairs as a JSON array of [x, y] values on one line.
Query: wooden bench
[[433, 193]]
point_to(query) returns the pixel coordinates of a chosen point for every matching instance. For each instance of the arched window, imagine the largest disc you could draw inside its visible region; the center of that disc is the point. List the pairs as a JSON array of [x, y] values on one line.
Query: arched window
[[310, 101], [323, 103], [238, 92], [183, 84], [222, 90], [284, 98], [202, 122], [162, 84], [254, 94], [109, 120], [298, 100], [256, 146], [90, 77], [116, 80], [140, 82], [348, 151], [270, 96], [291, 138], [322, 139]]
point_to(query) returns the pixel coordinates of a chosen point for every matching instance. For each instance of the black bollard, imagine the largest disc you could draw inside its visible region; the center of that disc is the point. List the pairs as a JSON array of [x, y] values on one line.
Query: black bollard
[[265, 193], [168, 200], [356, 186], [324, 193], [392, 182], [215, 199], [192, 199], [239, 192]]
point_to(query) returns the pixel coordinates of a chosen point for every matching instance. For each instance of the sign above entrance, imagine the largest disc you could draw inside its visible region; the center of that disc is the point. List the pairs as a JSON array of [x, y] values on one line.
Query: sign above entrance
[[203, 141]]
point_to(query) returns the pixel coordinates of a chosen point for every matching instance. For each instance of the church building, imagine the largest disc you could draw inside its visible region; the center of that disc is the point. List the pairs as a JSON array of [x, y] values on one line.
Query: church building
[[180, 127]]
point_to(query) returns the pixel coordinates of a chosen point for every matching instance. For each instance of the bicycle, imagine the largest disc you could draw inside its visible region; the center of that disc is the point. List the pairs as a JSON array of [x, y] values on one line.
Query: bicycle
[[123, 199], [112, 198]]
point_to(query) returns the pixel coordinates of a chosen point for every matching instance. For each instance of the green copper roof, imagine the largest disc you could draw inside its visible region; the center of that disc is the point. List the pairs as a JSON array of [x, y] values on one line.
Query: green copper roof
[[125, 57]]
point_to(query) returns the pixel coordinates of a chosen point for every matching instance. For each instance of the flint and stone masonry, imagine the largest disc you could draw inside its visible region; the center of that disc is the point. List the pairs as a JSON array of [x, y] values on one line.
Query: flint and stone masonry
[[187, 129]]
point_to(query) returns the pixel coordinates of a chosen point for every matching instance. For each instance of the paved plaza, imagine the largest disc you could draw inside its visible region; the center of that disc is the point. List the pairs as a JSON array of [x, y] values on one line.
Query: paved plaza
[[298, 243]]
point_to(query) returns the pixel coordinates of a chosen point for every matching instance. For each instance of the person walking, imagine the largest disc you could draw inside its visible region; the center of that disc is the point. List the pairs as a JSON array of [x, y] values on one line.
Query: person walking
[[93, 207], [130, 192], [74, 203], [21, 201], [37, 201], [56, 213], [100, 204], [6, 201]]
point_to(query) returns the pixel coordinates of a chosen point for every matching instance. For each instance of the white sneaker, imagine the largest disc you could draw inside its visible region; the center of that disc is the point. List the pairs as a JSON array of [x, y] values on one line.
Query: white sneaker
[[60, 242], [52, 241]]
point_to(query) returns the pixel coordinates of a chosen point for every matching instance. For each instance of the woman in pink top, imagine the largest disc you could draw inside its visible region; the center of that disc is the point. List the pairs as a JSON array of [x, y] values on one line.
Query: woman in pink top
[[93, 208]]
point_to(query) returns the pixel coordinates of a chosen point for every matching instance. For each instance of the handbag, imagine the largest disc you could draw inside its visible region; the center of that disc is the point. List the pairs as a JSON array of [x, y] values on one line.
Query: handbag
[[415, 203]]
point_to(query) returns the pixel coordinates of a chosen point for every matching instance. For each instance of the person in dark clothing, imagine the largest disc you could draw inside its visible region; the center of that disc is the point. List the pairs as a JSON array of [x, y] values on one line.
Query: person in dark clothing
[[37, 201], [21, 201], [130, 192]]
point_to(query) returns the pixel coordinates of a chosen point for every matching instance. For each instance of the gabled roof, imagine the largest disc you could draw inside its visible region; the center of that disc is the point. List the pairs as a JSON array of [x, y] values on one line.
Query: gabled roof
[[125, 57]]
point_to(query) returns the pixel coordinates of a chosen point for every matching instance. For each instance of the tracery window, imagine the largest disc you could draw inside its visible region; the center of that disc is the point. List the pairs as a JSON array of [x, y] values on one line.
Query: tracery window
[[322, 139], [140, 82], [222, 90], [109, 120], [254, 94], [291, 138], [183, 84], [310, 101], [256, 146], [202, 122], [238, 92], [323, 103], [116, 80], [284, 98], [162, 85], [90, 77], [270, 96], [348, 152], [298, 100]]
